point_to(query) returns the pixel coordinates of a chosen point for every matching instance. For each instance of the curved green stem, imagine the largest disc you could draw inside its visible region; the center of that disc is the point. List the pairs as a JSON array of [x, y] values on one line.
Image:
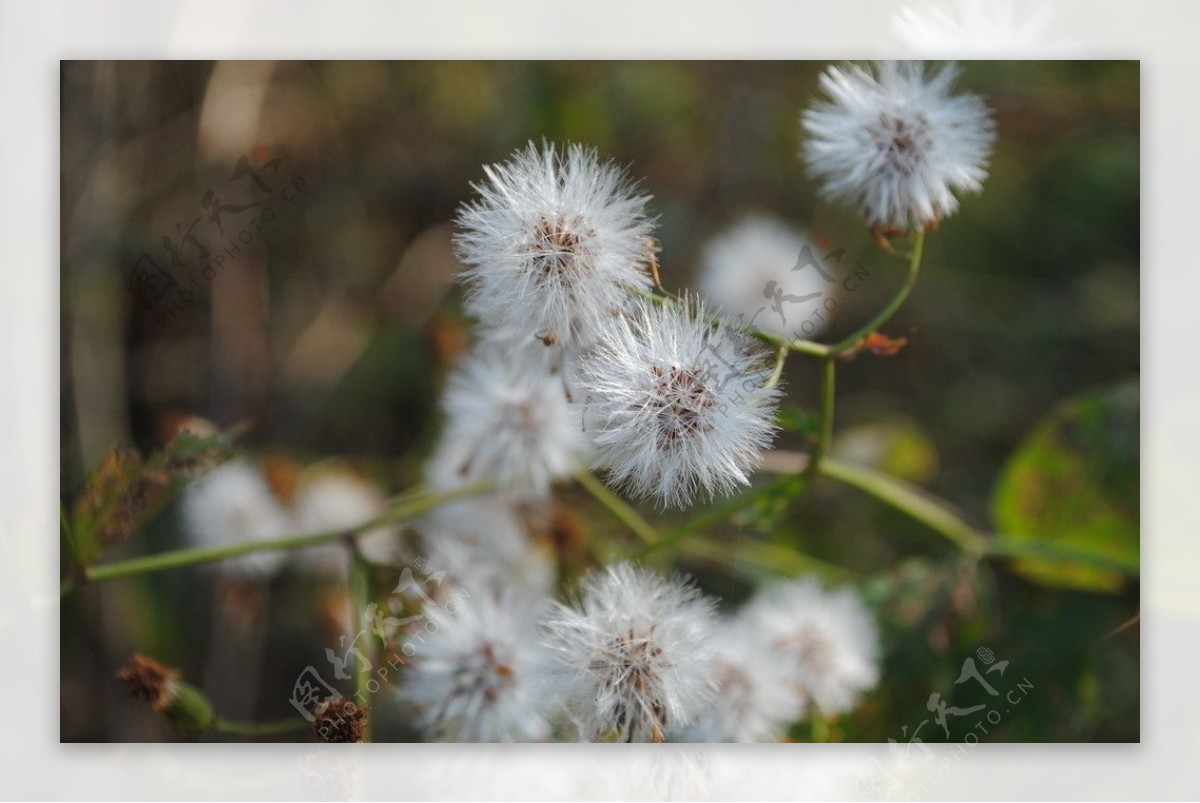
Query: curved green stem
[[884, 315], [909, 499], [617, 506], [770, 557], [407, 509], [780, 358]]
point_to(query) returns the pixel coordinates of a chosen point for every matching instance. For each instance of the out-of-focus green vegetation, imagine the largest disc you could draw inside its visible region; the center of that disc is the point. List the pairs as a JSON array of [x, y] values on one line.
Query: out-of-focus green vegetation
[[330, 333]]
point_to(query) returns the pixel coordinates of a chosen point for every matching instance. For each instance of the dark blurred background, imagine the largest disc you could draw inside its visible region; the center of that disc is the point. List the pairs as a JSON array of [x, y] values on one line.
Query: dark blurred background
[[330, 329]]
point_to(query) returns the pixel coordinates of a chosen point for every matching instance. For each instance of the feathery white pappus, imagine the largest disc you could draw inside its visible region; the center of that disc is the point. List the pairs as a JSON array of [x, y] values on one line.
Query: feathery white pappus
[[555, 243], [757, 697], [896, 143], [483, 543], [233, 504], [828, 638], [675, 403], [480, 673], [336, 498], [634, 660], [753, 273], [507, 424]]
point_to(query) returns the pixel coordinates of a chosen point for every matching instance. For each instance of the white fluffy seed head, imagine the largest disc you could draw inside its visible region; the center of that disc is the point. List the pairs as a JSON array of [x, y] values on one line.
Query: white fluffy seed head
[[507, 424], [757, 697], [333, 498], [827, 637], [754, 273], [233, 504], [634, 659], [483, 543], [895, 142], [676, 404], [555, 243], [480, 672]]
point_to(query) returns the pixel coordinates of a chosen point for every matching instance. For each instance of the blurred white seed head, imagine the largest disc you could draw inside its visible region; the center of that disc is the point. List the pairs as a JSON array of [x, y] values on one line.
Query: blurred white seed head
[[895, 142], [555, 243], [480, 674], [233, 504], [757, 696], [754, 273], [336, 498], [483, 543], [508, 424], [634, 660], [827, 637], [675, 404]]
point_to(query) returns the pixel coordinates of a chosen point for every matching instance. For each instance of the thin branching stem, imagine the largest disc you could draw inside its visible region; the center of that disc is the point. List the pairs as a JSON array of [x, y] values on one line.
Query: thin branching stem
[[409, 508], [617, 506]]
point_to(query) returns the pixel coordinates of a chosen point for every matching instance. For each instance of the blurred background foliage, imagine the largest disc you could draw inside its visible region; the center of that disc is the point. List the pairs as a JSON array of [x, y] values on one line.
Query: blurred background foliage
[[331, 331]]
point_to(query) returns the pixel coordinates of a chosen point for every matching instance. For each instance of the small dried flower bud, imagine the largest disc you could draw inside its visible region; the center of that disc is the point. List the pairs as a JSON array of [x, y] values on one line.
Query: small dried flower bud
[[339, 720], [184, 706]]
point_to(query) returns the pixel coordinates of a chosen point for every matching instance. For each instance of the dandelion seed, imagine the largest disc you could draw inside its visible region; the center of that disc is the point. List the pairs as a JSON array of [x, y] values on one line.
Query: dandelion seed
[[675, 404], [480, 674], [555, 243], [829, 639], [895, 143], [634, 661]]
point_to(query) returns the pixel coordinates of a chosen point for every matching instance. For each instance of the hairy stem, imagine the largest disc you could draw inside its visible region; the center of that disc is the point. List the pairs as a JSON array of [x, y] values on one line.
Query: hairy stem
[[828, 399], [617, 506]]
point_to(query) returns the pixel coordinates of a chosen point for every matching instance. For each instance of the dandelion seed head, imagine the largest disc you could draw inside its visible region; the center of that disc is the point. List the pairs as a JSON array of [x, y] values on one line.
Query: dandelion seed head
[[675, 404], [828, 637], [757, 696], [634, 660], [480, 673], [555, 243], [506, 424], [895, 142], [233, 504], [743, 266]]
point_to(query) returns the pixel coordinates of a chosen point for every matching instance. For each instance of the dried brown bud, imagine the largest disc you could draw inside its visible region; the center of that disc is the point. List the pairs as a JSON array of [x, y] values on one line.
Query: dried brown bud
[[339, 720], [183, 706]]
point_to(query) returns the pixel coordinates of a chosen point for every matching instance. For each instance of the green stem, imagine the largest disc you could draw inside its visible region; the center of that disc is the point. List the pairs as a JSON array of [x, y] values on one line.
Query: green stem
[[408, 509], [828, 398], [909, 499], [781, 353], [770, 557], [261, 728], [619, 508], [360, 593], [711, 516], [914, 265]]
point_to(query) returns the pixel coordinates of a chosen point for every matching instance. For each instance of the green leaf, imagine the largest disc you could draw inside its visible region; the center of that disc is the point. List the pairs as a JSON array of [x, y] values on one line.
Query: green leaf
[[1068, 500]]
